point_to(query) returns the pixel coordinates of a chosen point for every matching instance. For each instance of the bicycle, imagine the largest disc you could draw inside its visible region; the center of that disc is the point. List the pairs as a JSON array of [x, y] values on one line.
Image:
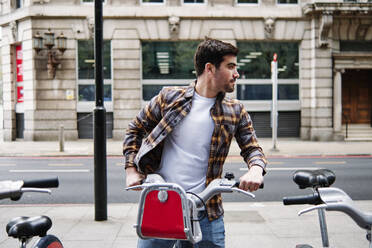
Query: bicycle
[[26, 228], [167, 211], [327, 198]]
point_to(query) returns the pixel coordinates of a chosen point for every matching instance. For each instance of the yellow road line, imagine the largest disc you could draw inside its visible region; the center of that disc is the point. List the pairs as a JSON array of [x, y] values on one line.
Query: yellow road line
[[276, 162], [330, 162], [72, 165]]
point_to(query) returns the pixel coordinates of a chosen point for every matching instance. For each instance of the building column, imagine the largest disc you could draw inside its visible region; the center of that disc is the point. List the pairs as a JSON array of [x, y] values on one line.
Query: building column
[[337, 103]]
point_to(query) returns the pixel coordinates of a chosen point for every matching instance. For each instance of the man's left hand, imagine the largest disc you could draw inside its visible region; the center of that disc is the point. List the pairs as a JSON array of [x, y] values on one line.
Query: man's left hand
[[252, 180]]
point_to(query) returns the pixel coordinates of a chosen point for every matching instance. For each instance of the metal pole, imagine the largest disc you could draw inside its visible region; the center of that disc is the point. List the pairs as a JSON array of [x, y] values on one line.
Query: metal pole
[[323, 228], [61, 138], [100, 162], [274, 107]]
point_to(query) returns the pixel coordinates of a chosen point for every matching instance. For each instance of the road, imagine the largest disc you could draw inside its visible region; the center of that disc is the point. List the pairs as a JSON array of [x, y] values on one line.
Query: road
[[76, 175]]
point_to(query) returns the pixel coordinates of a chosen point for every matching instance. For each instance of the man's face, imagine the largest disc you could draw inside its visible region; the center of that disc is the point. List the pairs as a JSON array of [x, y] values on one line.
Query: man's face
[[226, 75]]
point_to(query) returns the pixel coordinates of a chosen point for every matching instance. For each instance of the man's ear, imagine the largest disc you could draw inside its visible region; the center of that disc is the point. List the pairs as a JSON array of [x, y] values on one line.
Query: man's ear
[[209, 67]]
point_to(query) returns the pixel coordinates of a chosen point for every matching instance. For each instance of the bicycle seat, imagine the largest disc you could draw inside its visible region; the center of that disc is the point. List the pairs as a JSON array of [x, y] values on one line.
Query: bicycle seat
[[27, 227], [314, 178]]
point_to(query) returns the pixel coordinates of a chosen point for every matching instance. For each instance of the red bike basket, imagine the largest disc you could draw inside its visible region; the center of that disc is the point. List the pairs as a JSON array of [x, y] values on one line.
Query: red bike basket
[[163, 219]]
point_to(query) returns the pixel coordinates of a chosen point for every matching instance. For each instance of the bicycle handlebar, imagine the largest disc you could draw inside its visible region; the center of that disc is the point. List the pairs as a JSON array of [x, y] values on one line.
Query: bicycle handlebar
[[215, 187], [262, 185], [14, 189], [312, 199], [332, 199], [41, 183]]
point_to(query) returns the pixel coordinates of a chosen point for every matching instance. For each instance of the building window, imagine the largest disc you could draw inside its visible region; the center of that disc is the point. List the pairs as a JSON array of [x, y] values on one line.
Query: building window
[[166, 64], [355, 46], [91, 1], [86, 59], [254, 66], [152, 1], [171, 60], [86, 83], [247, 1], [357, 1], [86, 87], [193, 1], [254, 92], [254, 59], [287, 1], [17, 4]]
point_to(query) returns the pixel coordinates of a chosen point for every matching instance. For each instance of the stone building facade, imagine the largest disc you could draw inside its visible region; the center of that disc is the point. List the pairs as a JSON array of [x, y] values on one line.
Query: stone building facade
[[328, 84]]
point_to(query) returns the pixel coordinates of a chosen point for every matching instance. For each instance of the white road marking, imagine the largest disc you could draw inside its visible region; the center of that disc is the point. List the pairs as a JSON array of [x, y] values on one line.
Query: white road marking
[[286, 169], [7, 165], [48, 171]]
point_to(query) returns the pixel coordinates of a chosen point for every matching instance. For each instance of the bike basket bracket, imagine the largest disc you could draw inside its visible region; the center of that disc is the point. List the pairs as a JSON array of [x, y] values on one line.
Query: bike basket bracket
[[164, 213]]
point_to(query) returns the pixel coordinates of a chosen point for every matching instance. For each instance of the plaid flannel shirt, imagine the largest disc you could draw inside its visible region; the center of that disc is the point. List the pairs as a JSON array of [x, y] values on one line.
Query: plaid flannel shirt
[[144, 138]]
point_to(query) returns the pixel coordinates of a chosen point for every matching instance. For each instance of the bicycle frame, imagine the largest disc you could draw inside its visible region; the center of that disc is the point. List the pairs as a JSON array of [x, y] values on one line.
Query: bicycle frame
[[166, 211], [335, 199]]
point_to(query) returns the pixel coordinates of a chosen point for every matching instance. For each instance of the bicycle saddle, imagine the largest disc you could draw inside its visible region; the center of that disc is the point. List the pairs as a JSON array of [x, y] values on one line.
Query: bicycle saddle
[[27, 227], [314, 178]]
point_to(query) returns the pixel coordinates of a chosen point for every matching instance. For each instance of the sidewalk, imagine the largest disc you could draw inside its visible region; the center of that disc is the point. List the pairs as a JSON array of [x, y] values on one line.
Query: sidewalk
[[286, 147], [251, 224]]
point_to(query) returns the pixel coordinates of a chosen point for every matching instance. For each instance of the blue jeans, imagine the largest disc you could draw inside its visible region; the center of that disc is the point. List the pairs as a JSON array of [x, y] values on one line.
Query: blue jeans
[[213, 236]]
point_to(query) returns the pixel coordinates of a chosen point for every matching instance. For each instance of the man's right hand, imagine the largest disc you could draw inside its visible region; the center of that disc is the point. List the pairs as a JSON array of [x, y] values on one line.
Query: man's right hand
[[133, 177]]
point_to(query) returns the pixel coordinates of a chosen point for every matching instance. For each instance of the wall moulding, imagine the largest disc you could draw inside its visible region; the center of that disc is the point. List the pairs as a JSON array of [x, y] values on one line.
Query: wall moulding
[[352, 60]]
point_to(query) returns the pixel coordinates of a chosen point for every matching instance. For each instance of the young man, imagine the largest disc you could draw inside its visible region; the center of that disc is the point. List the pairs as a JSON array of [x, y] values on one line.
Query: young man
[[187, 133]]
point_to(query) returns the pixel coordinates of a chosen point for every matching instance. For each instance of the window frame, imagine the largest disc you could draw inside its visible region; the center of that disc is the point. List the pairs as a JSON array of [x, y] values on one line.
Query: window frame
[[265, 105], [15, 2], [146, 3], [247, 4], [87, 106], [286, 4], [252, 105], [205, 2], [91, 3]]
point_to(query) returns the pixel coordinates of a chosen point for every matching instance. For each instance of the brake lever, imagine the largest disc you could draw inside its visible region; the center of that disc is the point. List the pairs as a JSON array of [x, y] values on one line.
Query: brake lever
[[306, 210], [37, 190], [243, 192], [135, 187]]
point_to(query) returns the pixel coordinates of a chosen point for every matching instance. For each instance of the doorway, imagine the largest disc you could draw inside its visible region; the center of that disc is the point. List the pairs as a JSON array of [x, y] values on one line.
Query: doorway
[[357, 96]]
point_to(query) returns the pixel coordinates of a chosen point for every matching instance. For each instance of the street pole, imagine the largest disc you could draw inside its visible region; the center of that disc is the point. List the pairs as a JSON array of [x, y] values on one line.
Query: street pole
[[100, 160], [274, 106]]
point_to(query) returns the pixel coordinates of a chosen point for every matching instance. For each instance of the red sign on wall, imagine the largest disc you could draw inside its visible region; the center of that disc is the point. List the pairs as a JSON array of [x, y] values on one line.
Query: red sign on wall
[[19, 93], [19, 63]]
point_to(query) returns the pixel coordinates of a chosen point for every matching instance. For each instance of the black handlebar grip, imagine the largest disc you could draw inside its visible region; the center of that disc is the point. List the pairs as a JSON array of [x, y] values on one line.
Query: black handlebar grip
[[42, 183], [237, 185], [312, 199]]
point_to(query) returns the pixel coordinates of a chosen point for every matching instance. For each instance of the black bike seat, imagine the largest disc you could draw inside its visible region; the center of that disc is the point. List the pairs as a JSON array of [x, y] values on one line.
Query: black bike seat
[[27, 227], [314, 178]]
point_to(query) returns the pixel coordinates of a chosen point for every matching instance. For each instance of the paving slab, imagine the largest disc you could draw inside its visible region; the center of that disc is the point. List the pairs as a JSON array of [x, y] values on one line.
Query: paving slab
[[259, 224]]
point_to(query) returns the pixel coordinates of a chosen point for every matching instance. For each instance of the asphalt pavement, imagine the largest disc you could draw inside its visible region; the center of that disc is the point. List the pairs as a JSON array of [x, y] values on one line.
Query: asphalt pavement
[[284, 147], [248, 224]]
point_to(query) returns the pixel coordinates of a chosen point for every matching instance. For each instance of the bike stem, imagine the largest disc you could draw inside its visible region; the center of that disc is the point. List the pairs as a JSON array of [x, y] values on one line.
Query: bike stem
[[323, 227]]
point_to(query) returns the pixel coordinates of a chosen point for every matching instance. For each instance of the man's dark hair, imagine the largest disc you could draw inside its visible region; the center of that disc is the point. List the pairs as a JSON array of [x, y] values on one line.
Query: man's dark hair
[[212, 51]]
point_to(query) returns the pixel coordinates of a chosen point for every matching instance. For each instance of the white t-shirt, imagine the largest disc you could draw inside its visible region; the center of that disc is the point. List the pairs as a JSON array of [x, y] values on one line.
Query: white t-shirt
[[186, 149]]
